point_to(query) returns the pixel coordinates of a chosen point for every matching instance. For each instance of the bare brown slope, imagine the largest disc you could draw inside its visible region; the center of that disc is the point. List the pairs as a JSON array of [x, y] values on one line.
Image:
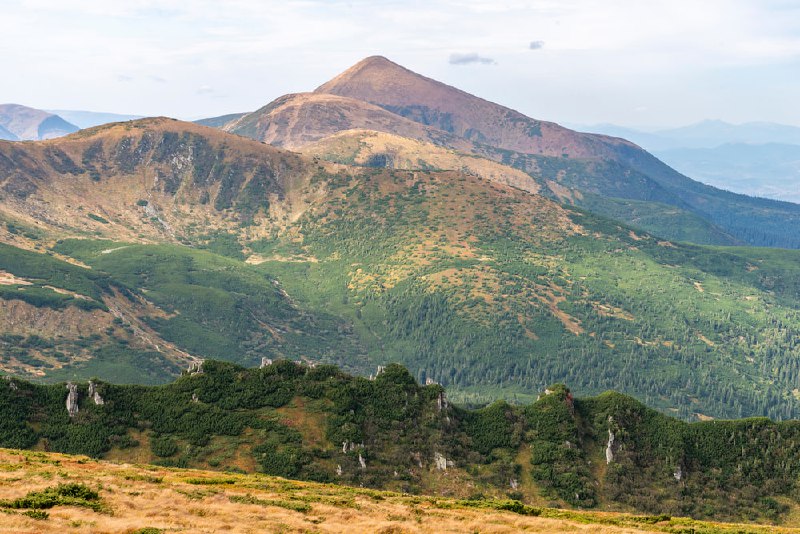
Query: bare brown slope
[[293, 121], [378, 149], [395, 88], [152, 179]]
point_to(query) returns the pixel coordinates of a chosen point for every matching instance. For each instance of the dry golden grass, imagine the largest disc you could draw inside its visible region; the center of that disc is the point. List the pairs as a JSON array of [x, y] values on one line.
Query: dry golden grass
[[177, 500], [406, 153]]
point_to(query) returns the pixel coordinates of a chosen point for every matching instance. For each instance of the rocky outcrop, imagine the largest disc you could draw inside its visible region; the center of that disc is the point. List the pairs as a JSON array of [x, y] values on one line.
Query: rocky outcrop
[[94, 394], [265, 362], [11, 383], [440, 462], [378, 371], [678, 474], [72, 399], [610, 447], [441, 401], [195, 368], [349, 446]]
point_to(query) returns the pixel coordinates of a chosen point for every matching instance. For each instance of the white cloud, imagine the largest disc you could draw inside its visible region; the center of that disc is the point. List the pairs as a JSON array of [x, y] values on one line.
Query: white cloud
[[471, 58]]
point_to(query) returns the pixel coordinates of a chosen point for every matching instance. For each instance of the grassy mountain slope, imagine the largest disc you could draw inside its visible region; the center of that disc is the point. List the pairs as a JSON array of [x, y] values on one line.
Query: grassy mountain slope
[[293, 121], [529, 173], [565, 164], [155, 179], [130, 499], [438, 278], [58, 317], [625, 170], [318, 424], [658, 219], [142, 313], [378, 149], [488, 289]]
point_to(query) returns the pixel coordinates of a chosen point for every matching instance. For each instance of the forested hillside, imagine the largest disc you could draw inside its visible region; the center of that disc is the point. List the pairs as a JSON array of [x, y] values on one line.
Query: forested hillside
[[316, 423], [137, 248]]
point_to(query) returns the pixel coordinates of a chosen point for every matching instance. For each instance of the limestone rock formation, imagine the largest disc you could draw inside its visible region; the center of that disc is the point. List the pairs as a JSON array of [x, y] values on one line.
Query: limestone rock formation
[[195, 368], [11, 383], [72, 399], [94, 394], [441, 401], [610, 447], [440, 461]]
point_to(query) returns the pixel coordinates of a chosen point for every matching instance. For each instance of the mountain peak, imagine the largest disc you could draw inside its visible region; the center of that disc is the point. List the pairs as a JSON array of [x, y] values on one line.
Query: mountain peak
[[376, 60], [373, 74], [381, 82]]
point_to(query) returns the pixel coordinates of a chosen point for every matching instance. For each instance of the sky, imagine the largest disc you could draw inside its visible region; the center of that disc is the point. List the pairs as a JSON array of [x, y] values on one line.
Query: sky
[[654, 63]]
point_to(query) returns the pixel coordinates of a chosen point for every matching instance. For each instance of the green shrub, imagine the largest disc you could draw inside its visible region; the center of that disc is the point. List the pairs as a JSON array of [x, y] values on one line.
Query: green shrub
[[71, 494], [36, 514], [163, 446]]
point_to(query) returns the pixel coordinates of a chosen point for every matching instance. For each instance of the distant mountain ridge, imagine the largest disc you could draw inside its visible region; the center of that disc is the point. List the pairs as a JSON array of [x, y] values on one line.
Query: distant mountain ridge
[[88, 119], [770, 170], [5, 135], [756, 158], [29, 124], [703, 134]]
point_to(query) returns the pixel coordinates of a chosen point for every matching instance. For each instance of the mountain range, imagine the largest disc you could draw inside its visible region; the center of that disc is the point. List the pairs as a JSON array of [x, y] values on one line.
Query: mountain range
[[704, 134], [136, 248], [88, 119], [607, 175], [215, 295], [396, 233]]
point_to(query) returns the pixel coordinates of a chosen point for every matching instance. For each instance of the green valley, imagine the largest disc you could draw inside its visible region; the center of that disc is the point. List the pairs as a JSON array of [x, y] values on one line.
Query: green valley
[[490, 290]]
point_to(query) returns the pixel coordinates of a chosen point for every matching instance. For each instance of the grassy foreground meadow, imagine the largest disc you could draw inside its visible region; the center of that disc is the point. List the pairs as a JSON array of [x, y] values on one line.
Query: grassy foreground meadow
[[48, 492]]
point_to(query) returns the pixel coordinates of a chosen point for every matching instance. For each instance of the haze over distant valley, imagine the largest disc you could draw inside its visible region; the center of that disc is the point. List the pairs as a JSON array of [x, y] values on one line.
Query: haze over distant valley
[[758, 159]]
